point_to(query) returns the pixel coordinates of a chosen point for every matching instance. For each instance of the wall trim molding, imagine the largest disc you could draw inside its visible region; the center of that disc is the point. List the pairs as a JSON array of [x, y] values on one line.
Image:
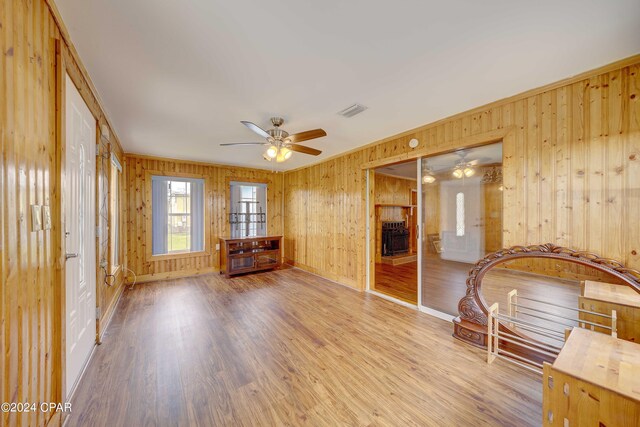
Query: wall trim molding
[[179, 274], [392, 299], [105, 321], [134, 155], [315, 272], [436, 313], [471, 141]]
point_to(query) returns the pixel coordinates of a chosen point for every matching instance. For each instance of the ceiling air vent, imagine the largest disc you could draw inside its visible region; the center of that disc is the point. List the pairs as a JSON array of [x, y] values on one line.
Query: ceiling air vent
[[352, 110]]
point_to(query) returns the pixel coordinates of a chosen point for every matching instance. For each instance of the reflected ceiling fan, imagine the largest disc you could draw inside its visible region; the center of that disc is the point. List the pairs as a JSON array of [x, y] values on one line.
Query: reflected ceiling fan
[[464, 168], [280, 145]]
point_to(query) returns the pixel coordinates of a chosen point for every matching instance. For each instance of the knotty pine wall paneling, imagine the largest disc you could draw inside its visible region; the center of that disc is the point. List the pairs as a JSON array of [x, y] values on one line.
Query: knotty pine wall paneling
[[571, 166], [217, 182], [32, 38], [492, 220], [27, 304], [393, 191]]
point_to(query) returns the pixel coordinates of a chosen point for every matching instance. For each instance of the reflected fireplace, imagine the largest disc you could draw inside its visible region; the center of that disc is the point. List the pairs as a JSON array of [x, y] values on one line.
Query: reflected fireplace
[[395, 238]]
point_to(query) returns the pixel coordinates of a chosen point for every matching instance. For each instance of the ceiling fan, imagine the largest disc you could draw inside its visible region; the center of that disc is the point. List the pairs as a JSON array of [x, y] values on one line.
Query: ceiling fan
[[465, 168], [280, 145]]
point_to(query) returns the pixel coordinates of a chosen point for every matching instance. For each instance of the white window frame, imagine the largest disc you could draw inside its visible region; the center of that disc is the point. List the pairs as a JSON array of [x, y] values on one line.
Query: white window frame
[[152, 251]]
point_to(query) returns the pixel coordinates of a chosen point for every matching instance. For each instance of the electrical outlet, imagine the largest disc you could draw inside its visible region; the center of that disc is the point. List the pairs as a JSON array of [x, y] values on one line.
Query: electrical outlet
[[46, 217]]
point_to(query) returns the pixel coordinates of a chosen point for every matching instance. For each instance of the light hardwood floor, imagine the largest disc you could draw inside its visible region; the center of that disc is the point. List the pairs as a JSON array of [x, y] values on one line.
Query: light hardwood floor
[[398, 281], [289, 348]]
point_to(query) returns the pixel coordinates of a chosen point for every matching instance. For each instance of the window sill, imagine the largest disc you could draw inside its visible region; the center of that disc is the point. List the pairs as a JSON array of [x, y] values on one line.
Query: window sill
[[178, 255]]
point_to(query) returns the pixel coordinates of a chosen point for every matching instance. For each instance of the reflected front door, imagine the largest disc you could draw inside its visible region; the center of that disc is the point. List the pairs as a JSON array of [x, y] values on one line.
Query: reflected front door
[[461, 205]]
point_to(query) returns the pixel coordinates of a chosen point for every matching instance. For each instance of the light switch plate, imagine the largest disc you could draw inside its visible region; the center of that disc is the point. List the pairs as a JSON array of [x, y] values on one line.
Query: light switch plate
[[46, 217], [217, 246], [36, 218]]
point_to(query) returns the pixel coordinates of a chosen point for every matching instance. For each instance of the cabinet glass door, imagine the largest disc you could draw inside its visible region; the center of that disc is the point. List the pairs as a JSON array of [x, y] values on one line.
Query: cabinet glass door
[[267, 260], [240, 263]]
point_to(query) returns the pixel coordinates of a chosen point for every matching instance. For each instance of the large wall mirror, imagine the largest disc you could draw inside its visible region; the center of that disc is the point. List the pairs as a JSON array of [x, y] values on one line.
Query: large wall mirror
[[550, 289]]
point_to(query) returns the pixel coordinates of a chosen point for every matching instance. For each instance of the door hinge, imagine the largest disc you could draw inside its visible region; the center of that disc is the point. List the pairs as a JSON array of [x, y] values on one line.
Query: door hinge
[[97, 231], [98, 313]]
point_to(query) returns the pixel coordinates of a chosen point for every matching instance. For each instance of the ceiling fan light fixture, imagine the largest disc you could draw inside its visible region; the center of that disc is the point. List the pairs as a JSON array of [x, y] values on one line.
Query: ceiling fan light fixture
[[469, 171], [428, 179], [280, 144], [458, 173], [272, 151]]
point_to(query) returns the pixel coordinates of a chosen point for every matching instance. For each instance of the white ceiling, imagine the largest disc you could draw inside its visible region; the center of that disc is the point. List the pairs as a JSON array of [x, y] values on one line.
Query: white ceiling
[[484, 155], [400, 170], [178, 76]]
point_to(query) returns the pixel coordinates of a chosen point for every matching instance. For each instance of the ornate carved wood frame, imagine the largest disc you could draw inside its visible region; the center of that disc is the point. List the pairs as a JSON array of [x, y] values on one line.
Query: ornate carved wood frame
[[471, 325]]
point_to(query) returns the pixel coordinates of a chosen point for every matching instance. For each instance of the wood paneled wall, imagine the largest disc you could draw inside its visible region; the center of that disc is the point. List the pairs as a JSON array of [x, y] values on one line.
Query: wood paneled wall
[[492, 216], [27, 261], [571, 174], [390, 190], [217, 181], [31, 261], [325, 218]]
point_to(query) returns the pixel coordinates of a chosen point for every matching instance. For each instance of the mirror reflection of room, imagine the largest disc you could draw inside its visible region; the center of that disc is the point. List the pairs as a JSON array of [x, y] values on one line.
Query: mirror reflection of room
[[462, 220], [546, 295]]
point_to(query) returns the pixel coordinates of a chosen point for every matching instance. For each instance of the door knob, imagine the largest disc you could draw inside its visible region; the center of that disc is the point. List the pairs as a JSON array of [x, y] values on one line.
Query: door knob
[[67, 256]]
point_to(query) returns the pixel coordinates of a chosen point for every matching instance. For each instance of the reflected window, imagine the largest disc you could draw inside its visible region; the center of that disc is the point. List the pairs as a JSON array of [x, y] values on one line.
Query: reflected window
[[460, 214]]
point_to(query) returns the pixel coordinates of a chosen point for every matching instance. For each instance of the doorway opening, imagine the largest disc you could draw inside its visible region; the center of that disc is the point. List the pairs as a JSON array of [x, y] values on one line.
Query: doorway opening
[[395, 193]]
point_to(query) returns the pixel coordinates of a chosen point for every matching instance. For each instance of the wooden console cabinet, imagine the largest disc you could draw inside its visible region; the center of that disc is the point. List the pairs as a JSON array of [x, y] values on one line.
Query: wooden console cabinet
[[605, 297], [249, 254], [595, 381]]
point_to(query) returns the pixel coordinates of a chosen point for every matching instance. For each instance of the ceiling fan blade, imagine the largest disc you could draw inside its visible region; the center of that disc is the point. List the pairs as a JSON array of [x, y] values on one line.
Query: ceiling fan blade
[[304, 149], [243, 143], [305, 136], [257, 129]]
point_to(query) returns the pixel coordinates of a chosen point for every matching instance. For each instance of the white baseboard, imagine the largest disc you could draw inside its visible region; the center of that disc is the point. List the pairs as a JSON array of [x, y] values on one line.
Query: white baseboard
[[421, 308], [436, 313], [392, 299]]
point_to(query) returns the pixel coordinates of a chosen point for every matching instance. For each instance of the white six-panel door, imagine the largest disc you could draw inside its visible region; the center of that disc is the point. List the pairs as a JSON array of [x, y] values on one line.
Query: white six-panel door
[[79, 176]]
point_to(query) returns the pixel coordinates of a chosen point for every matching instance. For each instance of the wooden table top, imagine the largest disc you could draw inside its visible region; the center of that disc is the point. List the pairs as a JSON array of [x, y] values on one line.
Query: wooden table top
[[600, 359], [608, 292], [248, 239]]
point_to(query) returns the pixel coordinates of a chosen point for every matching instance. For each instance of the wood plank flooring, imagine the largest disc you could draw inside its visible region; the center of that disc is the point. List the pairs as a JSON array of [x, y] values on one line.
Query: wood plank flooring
[[398, 281], [289, 348], [444, 282]]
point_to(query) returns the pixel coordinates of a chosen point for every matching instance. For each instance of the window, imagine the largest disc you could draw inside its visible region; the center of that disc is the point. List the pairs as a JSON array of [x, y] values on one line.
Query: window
[[248, 213], [114, 212], [460, 214], [177, 217]]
